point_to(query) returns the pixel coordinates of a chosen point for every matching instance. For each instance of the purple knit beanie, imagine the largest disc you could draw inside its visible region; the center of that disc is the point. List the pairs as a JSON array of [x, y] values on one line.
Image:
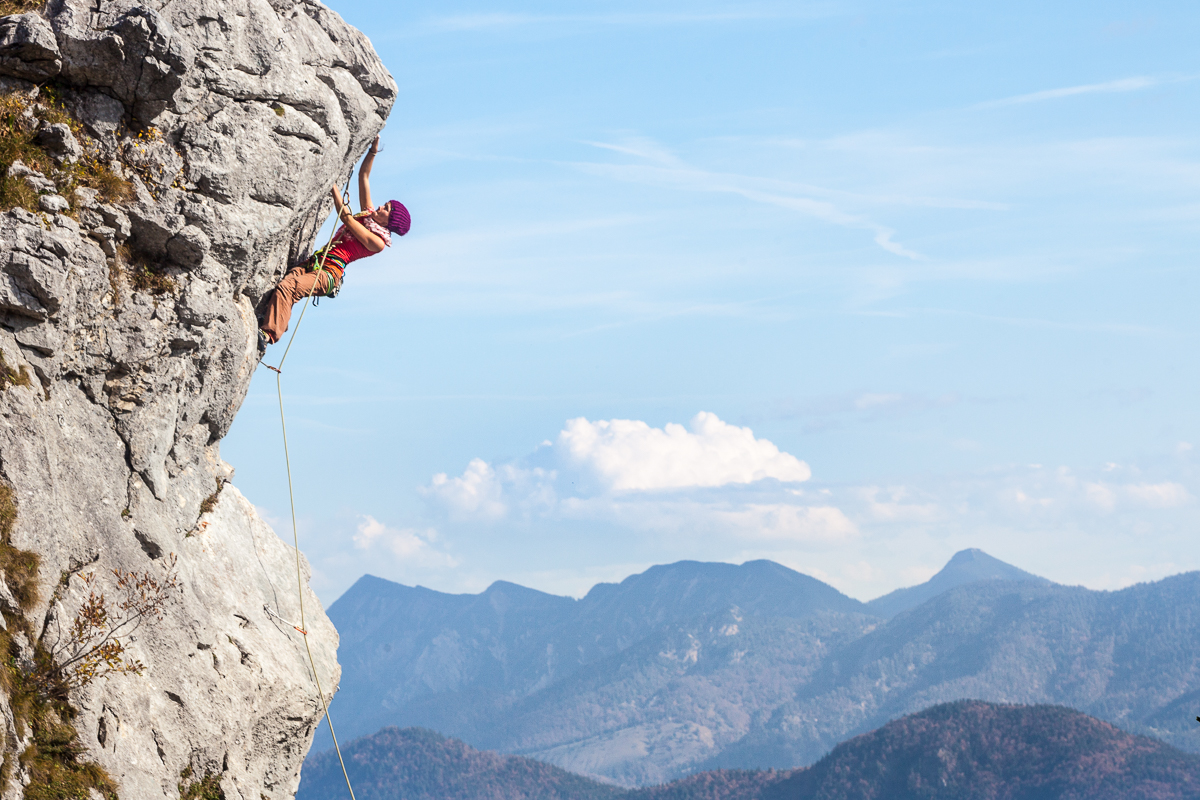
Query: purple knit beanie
[[399, 221]]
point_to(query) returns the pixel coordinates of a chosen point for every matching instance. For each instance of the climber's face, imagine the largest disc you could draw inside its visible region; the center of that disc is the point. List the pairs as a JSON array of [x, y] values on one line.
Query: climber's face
[[382, 213]]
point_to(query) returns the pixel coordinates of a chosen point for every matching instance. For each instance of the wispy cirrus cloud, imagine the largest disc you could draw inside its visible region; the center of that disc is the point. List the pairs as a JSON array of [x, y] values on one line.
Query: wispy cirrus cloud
[[832, 412], [1120, 328], [1134, 84], [474, 22], [665, 169]]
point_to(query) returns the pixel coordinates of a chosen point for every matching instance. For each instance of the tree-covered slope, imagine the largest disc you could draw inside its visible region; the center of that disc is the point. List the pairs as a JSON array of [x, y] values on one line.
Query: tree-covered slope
[[971, 750], [967, 750], [418, 764]]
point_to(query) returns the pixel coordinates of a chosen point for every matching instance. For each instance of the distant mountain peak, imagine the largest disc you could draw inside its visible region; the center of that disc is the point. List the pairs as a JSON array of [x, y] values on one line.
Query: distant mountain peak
[[973, 555], [965, 566], [975, 563]]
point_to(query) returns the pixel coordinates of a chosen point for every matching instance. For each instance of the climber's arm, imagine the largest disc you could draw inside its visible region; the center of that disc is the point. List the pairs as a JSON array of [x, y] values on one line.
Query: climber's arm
[[359, 231], [364, 177]]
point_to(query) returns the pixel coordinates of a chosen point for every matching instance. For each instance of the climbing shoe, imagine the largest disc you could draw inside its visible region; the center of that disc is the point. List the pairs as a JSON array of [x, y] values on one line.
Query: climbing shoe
[[263, 341]]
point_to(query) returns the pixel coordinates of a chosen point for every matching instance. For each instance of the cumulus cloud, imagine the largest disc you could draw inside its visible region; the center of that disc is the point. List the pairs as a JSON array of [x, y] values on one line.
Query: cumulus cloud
[[629, 455], [709, 476], [487, 493], [477, 493], [406, 544], [712, 487]]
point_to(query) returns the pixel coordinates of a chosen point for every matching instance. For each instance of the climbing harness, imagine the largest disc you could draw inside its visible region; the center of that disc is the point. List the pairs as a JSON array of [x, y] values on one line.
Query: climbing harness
[[335, 285], [303, 627]]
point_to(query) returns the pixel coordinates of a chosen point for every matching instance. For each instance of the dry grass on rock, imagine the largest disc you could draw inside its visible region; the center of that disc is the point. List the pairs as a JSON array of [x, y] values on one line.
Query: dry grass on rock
[[20, 116]]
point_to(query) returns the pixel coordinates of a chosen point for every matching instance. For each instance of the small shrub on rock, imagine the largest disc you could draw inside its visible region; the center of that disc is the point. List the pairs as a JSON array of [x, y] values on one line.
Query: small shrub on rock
[[206, 788], [11, 377], [52, 760], [94, 644], [142, 276]]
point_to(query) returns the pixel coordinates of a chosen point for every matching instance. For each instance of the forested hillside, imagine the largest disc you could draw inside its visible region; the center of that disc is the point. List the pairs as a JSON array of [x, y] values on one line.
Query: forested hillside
[[957, 751], [979, 751], [417, 764]]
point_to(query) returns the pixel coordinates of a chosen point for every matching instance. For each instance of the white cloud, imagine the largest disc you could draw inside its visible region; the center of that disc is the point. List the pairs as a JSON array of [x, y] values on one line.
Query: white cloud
[[1101, 495], [629, 455], [406, 544], [892, 507], [1025, 500], [476, 494], [1159, 495], [709, 489], [709, 478], [1107, 496], [782, 522], [485, 493]]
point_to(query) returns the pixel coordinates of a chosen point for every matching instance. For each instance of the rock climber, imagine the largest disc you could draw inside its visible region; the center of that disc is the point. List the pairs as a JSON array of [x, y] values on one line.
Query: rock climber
[[361, 235]]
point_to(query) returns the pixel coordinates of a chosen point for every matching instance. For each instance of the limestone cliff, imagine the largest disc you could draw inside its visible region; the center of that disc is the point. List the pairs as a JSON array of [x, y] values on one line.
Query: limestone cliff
[[230, 119]]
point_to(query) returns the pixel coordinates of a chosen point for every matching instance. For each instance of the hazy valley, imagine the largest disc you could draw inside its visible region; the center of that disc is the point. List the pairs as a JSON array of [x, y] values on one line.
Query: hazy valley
[[967, 750]]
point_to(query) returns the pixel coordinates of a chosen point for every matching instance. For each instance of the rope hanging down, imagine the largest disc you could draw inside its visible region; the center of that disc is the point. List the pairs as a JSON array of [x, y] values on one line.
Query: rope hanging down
[[303, 627]]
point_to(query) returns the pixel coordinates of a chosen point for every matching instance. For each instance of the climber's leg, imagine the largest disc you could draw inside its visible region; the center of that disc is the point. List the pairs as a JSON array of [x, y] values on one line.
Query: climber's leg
[[294, 287]]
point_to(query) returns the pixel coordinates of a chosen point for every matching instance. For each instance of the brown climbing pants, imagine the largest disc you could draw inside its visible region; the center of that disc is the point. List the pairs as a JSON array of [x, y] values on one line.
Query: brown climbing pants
[[294, 287]]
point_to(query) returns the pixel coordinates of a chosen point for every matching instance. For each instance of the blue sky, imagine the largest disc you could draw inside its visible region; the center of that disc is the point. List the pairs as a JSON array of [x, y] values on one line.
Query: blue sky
[[904, 278]]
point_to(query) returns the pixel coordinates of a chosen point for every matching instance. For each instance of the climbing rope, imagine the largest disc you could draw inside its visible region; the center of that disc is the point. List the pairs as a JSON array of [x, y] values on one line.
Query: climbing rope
[[302, 627]]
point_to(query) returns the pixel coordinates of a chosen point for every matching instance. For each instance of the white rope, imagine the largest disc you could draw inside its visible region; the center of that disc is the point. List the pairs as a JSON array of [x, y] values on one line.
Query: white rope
[[303, 627]]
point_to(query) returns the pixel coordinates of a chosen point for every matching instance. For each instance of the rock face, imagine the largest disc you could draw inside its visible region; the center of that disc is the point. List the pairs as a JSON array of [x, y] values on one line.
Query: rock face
[[247, 110]]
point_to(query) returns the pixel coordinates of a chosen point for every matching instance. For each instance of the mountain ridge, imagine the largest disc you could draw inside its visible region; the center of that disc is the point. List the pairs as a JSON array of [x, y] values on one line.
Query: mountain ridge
[[966, 566], [643, 688], [968, 750]]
